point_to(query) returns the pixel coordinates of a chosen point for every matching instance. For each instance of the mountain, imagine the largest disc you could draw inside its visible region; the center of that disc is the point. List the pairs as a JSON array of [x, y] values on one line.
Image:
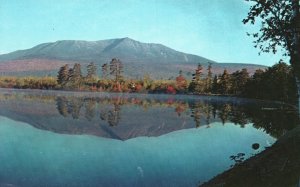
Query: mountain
[[139, 58], [126, 49]]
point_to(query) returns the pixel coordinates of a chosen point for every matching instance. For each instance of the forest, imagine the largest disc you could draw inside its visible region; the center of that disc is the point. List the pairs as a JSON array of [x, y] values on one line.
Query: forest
[[274, 83]]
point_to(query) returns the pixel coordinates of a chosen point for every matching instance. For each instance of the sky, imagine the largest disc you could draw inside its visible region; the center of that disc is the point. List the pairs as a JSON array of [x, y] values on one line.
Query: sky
[[209, 28]]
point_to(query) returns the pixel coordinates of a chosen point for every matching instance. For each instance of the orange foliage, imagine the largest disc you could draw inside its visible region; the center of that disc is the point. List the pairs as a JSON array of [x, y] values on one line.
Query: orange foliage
[[181, 82]]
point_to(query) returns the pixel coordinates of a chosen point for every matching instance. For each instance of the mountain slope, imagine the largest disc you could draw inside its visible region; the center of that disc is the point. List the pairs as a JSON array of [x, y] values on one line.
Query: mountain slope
[[124, 48], [139, 58]]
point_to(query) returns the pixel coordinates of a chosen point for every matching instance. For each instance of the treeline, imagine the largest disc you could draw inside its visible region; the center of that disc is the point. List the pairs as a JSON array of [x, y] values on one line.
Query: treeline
[[28, 82], [274, 83]]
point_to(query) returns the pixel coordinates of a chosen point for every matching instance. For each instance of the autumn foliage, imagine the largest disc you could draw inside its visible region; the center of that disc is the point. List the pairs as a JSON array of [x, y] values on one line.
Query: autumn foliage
[[274, 83]]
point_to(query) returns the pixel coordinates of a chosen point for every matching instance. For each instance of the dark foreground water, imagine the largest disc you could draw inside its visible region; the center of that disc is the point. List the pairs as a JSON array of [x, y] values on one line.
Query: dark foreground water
[[92, 139]]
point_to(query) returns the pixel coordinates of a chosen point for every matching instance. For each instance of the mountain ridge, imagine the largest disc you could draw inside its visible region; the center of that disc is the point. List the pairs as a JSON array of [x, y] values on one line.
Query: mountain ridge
[[123, 47], [159, 60]]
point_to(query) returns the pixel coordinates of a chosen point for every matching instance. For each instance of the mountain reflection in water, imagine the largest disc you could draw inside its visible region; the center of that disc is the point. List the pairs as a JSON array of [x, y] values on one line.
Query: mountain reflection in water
[[125, 116], [138, 140]]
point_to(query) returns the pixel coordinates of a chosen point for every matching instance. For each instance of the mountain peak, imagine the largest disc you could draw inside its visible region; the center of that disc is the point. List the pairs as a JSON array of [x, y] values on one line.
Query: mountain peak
[[127, 49], [161, 61], [127, 39]]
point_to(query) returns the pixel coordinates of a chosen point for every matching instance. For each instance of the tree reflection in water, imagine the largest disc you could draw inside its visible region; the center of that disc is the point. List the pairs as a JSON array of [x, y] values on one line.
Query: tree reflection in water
[[196, 113], [225, 112], [114, 115], [275, 119], [66, 106], [62, 106], [133, 115], [74, 107], [90, 107]]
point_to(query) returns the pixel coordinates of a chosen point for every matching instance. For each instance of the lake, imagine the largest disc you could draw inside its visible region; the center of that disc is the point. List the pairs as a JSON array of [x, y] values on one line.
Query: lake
[[56, 138]]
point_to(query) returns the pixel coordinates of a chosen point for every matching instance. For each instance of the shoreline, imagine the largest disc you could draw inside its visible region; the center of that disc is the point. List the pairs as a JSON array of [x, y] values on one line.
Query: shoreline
[[98, 93], [278, 165]]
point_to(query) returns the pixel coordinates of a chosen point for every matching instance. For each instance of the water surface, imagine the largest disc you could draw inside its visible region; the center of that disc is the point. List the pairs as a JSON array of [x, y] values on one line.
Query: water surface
[[100, 139]]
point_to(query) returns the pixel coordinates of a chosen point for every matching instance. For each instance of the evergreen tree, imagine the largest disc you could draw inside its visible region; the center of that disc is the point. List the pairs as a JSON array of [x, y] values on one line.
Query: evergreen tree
[[116, 69], [225, 83], [63, 75], [198, 73], [76, 76], [105, 71], [215, 85], [196, 86], [243, 77], [91, 72], [254, 86], [239, 80], [280, 83], [209, 79], [276, 83]]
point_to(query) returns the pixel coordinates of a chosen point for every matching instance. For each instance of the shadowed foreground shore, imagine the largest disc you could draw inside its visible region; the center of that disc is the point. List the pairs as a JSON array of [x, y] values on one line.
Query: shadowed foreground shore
[[278, 165]]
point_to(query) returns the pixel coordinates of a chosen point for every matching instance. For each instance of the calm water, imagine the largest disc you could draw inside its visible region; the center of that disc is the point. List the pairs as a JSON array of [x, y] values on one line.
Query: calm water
[[99, 139]]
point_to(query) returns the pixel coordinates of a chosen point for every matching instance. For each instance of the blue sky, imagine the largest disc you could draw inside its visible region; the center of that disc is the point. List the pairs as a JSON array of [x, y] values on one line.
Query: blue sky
[[209, 28]]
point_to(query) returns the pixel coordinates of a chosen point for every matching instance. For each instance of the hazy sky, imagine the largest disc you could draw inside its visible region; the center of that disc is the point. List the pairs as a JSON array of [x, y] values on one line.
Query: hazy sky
[[209, 28]]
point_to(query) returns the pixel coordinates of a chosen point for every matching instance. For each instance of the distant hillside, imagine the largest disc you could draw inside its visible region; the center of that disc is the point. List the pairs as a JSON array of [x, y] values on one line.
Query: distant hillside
[[139, 58]]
